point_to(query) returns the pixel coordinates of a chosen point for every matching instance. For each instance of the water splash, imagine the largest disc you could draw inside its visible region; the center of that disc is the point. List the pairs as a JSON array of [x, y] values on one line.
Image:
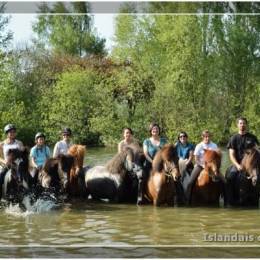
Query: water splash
[[30, 205], [40, 205]]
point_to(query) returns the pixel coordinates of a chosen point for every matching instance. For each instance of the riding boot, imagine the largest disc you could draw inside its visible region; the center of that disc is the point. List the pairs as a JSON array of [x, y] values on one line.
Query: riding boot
[[194, 175]]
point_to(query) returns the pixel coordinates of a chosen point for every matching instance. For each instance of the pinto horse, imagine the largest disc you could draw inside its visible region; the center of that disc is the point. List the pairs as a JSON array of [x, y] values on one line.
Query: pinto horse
[[53, 173], [15, 178], [164, 174], [247, 183], [118, 179], [207, 189]]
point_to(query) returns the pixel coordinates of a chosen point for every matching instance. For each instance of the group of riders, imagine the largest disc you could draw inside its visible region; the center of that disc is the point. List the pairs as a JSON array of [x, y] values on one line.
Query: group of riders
[[190, 155], [39, 153]]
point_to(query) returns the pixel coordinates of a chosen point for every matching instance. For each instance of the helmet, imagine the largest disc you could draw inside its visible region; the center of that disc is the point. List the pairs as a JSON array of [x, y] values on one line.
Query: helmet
[[9, 127], [67, 131], [38, 135]]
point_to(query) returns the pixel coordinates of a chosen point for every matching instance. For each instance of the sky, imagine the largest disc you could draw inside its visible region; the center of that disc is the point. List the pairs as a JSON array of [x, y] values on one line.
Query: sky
[[21, 26]]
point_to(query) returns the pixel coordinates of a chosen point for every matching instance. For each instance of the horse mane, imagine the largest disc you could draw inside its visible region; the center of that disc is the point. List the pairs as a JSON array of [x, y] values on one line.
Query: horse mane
[[78, 152], [167, 153], [50, 165], [210, 155], [116, 164], [251, 159]]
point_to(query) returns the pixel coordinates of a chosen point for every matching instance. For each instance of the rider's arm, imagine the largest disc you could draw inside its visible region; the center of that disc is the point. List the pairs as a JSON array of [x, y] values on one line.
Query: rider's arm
[[34, 163], [56, 150], [190, 157], [148, 158], [2, 160], [233, 159]]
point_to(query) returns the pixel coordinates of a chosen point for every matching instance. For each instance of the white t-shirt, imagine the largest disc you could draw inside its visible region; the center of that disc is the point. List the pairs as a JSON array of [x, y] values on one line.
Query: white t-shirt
[[61, 147], [199, 151], [15, 145]]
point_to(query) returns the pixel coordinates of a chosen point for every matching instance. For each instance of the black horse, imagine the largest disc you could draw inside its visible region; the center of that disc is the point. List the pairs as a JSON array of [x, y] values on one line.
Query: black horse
[[245, 188], [118, 179]]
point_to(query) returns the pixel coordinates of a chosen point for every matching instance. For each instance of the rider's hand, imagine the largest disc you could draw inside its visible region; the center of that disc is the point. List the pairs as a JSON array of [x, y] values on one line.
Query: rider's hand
[[239, 167]]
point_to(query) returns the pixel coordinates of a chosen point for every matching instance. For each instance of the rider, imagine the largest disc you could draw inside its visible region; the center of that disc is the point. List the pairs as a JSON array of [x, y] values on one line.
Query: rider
[[185, 149], [237, 145], [150, 146], [39, 154], [199, 161], [128, 139], [185, 153], [63, 146], [10, 143]]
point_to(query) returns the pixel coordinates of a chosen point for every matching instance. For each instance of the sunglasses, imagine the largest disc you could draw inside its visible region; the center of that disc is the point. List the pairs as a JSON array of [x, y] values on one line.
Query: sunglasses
[[66, 135]]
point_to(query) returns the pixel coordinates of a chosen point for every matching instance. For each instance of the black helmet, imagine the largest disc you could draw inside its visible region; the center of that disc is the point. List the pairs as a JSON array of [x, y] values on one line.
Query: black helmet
[[67, 131], [38, 135], [9, 127]]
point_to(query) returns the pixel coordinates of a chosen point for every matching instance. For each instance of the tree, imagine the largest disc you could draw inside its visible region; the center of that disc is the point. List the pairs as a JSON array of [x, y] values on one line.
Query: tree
[[5, 36], [68, 33]]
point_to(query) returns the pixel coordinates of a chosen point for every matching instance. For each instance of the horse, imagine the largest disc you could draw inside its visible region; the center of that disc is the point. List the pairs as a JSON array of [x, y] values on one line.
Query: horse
[[247, 184], [208, 187], [15, 176], [75, 176], [52, 176], [117, 181], [165, 172]]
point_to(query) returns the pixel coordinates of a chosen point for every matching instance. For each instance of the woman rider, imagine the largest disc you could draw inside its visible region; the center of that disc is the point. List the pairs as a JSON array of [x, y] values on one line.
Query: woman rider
[[151, 146], [128, 139], [9, 143], [39, 154]]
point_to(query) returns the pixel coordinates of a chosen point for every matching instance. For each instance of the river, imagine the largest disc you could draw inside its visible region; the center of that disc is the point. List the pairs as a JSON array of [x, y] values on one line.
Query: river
[[88, 229]]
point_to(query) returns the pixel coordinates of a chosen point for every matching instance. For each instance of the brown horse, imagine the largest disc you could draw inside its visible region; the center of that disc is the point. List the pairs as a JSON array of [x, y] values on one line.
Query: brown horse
[[76, 183], [165, 171], [251, 164], [249, 179], [207, 189]]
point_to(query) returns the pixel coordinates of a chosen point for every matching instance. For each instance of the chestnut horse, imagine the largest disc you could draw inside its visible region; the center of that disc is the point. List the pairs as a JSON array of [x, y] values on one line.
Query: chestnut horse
[[164, 173], [207, 189], [76, 179]]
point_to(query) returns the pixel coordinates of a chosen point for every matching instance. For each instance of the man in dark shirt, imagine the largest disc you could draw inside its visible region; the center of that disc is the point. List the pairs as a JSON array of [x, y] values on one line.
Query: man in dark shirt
[[237, 145]]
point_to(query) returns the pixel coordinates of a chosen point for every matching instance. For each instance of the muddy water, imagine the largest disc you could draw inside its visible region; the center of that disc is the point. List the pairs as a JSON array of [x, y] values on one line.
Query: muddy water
[[88, 229]]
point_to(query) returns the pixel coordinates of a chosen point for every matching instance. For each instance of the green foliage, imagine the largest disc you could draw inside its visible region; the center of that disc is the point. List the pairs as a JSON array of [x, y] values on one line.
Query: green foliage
[[68, 33], [70, 103]]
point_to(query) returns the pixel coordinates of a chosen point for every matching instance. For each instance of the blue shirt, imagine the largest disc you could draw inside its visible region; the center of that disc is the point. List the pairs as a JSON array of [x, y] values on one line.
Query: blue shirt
[[153, 149], [184, 150], [40, 154]]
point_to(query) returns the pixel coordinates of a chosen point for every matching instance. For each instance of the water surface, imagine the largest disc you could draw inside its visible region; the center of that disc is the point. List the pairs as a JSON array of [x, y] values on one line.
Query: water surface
[[88, 229]]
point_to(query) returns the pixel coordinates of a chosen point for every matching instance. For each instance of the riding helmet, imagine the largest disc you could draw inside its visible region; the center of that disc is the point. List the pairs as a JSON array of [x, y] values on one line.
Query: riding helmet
[[67, 131], [38, 135], [9, 127]]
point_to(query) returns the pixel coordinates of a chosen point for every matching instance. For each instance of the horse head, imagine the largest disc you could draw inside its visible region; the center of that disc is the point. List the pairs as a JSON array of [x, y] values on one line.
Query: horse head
[[167, 160], [134, 160], [51, 175], [76, 182], [212, 160], [14, 185], [251, 164]]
